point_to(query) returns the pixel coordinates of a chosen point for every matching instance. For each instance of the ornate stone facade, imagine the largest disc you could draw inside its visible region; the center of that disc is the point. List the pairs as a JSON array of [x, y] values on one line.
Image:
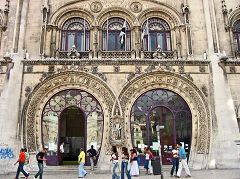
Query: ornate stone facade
[[61, 45]]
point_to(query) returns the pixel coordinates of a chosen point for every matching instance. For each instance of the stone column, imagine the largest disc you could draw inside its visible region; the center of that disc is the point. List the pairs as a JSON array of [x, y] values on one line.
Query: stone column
[[53, 41], [95, 41], [137, 41], [48, 38]]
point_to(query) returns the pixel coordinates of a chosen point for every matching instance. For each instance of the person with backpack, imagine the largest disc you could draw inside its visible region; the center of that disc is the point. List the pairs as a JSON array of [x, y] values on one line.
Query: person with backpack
[[20, 162], [40, 158], [92, 153]]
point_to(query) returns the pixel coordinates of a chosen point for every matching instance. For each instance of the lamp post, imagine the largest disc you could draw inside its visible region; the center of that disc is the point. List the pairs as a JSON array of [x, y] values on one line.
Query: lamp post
[[158, 128]]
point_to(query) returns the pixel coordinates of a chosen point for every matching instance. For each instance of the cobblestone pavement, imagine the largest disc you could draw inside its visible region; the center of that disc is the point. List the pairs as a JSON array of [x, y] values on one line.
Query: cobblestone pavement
[[196, 174]]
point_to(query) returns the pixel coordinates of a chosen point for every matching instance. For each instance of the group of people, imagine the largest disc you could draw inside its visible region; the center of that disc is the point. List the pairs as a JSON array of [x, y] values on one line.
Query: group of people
[[23, 161], [179, 161], [129, 162]]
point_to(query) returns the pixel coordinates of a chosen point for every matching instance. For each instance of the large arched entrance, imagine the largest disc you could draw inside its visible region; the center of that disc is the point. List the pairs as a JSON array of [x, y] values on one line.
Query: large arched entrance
[[157, 108], [71, 131], [74, 117]]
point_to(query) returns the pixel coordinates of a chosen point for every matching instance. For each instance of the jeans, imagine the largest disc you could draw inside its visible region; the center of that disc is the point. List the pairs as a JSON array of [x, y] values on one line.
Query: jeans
[[81, 171], [20, 169], [175, 163], [114, 174], [124, 167], [40, 171]]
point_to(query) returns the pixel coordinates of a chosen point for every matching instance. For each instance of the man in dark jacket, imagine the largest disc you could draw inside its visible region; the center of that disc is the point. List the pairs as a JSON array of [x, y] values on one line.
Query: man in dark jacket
[[92, 153]]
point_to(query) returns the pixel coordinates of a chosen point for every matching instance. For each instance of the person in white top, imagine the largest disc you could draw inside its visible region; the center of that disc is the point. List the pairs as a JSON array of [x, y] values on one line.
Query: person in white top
[[61, 150], [175, 160]]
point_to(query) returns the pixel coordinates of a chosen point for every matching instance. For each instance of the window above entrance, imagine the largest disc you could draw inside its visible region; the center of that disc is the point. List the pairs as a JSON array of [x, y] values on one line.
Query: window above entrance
[[76, 31]]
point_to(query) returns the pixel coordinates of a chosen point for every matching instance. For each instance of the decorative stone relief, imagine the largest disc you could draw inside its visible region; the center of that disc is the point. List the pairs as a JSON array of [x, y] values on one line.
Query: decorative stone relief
[[150, 68], [196, 100], [204, 90], [27, 91], [94, 69], [232, 69], [73, 54], [37, 99], [29, 69], [159, 54], [181, 69], [130, 76], [51, 68], [96, 6], [116, 69], [116, 134], [138, 69], [136, 7], [202, 69]]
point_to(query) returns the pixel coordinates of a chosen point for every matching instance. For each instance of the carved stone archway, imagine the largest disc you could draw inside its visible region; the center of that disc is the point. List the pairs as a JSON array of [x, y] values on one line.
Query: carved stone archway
[[201, 118], [32, 112]]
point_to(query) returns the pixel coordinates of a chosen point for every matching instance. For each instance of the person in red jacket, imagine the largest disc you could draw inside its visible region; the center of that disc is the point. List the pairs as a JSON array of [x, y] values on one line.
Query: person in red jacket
[[20, 162]]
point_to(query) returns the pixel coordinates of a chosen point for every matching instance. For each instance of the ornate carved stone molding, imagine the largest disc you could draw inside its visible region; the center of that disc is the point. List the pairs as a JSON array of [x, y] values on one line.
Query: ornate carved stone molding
[[38, 98], [201, 118]]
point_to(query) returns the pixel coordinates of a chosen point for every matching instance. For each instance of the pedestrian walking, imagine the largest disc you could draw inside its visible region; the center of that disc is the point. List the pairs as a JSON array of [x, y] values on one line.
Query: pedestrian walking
[[175, 161], [114, 160], [92, 153], [134, 171], [20, 162], [125, 163], [61, 153], [81, 160], [40, 158], [148, 161], [182, 161], [26, 163]]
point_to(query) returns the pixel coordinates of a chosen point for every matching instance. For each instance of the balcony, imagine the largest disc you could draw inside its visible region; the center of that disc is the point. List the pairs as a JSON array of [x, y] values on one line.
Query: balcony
[[107, 55], [116, 54], [65, 55], [162, 55]]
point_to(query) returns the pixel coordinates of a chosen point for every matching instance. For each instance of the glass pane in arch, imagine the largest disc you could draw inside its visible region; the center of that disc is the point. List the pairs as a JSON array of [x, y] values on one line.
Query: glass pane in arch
[[162, 107], [111, 35], [78, 30], [158, 35], [72, 98]]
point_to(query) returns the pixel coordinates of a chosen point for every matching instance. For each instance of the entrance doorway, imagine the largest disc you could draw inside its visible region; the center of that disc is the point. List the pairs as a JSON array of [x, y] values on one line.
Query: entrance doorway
[[72, 131], [161, 108], [74, 117]]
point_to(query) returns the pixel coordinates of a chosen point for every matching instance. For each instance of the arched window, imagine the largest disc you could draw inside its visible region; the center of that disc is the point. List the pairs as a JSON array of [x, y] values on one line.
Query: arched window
[[236, 34], [116, 35], [156, 32], [75, 31]]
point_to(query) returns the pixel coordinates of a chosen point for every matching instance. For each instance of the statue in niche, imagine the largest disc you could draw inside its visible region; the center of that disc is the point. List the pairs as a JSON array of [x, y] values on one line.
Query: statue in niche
[[159, 53], [117, 130], [73, 54]]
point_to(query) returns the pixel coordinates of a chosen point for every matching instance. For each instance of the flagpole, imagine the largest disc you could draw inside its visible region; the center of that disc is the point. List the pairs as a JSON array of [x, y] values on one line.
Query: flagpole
[[148, 34], [107, 36], [84, 35], [125, 35]]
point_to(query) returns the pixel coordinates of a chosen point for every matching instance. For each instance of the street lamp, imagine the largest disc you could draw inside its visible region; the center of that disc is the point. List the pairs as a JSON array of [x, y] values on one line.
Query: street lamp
[[158, 128]]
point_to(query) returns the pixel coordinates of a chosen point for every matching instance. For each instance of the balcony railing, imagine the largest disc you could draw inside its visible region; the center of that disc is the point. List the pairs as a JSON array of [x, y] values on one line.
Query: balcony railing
[[119, 55], [64, 54], [116, 54], [165, 55]]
